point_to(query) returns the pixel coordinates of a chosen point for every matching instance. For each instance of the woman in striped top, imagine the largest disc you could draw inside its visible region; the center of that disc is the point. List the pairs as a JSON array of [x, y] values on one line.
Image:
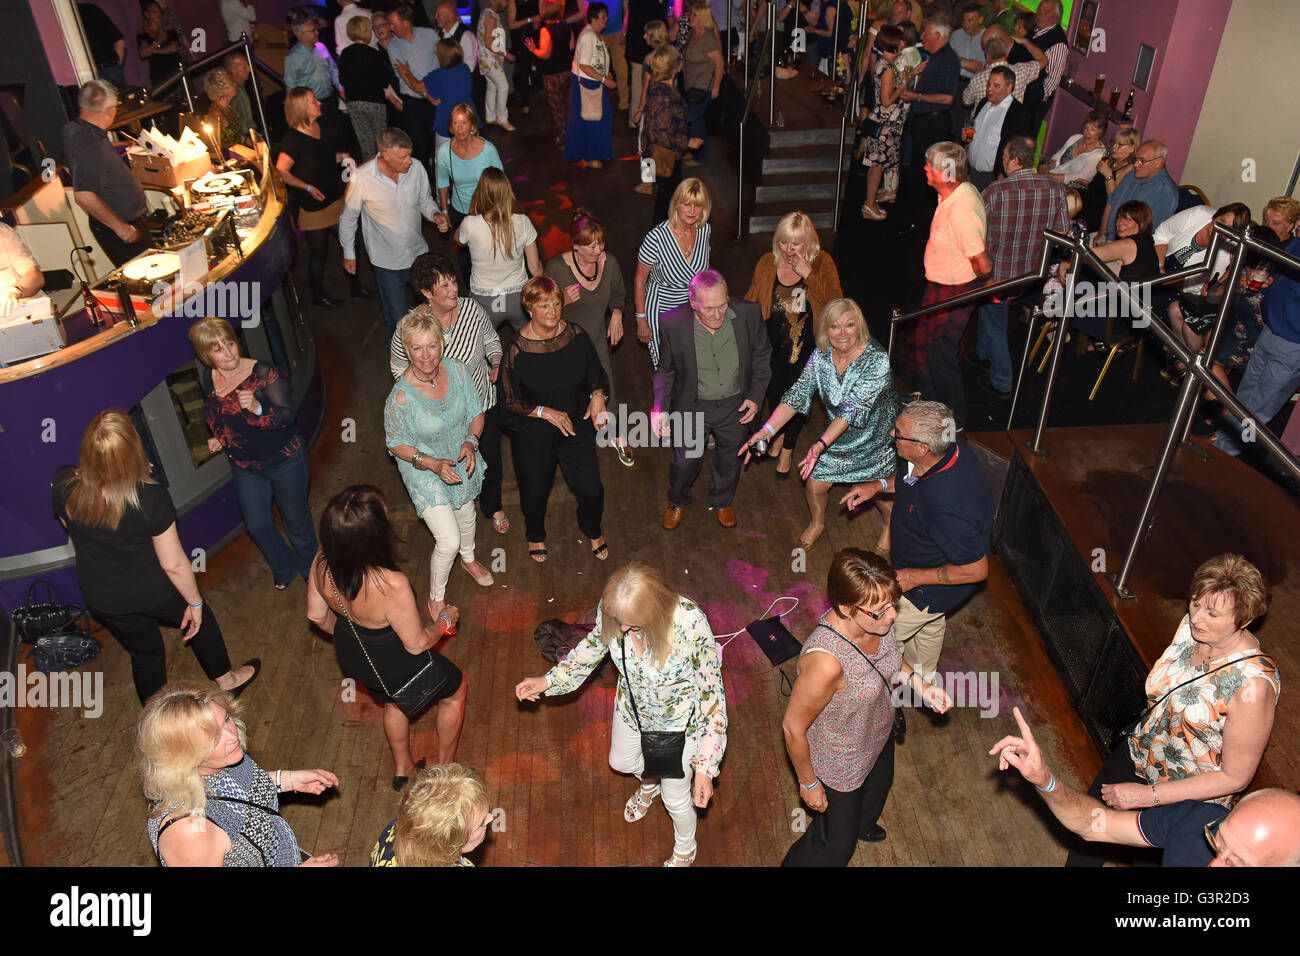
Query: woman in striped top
[[470, 339], [672, 254]]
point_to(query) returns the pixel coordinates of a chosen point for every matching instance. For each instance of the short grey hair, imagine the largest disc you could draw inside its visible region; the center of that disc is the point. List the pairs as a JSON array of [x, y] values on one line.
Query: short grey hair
[[940, 23], [96, 96], [393, 138], [1157, 147], [1056, 5], [996, 46], [708, 279], [952, 158], [932, 423]]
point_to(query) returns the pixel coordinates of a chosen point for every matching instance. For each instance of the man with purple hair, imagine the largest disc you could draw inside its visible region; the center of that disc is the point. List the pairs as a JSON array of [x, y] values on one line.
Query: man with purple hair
[[714, 367]]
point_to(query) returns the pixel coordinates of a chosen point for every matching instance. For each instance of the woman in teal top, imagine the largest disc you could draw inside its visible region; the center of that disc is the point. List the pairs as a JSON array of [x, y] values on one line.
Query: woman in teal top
[[432, 423], [852, 375], [457, 169]]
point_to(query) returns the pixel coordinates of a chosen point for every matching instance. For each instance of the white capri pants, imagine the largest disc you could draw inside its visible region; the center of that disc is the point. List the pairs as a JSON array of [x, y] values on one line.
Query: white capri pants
[[625, 757], [453, 531], [497, 91]]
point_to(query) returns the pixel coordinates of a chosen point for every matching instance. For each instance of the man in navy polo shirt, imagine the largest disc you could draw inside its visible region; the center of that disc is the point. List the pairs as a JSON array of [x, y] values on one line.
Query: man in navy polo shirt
[[939, 528], [1263, 829]]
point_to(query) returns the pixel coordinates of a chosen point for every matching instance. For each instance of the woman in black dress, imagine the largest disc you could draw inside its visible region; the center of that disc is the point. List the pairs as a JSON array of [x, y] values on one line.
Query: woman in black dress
[[360, 597], [158, 46], [312, 168], [555, 392], [133, 571]]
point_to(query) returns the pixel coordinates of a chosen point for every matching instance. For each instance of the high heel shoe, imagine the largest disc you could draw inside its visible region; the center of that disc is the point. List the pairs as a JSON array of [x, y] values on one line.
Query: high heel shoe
[[400, 782]]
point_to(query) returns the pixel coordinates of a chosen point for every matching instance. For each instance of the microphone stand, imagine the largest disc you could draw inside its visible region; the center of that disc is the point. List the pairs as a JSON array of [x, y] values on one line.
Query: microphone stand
[[92, 307]]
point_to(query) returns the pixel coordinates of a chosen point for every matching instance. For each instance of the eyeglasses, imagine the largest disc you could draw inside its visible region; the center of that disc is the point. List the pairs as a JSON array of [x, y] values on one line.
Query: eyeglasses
[[1142, 161], [877, 615], [1220, 849], [893, 433]]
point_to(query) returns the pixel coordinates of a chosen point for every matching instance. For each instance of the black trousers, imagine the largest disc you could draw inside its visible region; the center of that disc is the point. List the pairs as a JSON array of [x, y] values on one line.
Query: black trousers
[[319, 242], [833, 834], [417, 120], [537, 450], [722, 418], [489, 446], [118, 251], [139, 633], [1118, 768]]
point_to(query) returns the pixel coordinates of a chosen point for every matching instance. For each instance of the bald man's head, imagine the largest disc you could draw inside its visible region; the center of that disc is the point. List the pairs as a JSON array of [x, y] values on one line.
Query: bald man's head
[[1262, 830]]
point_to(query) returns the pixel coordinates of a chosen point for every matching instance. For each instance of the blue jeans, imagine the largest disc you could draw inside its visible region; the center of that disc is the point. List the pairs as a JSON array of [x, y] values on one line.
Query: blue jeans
[[991, 343], [1271, 378], [392, 295], [695, 124], [286, 482]]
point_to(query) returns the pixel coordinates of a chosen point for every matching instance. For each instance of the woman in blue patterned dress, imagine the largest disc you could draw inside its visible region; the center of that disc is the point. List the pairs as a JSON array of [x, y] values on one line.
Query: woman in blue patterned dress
[[671, 681], [433, 421], [671, 255], [883, 125], [190, 744], [852, 375]]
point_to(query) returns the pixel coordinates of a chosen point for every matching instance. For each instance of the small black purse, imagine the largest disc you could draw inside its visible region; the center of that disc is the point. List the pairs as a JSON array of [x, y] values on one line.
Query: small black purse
[[661, 750], [425, 685]]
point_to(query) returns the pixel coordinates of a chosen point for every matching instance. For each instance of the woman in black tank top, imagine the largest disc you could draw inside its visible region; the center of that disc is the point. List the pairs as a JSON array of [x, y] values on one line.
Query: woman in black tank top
[[359, 595]]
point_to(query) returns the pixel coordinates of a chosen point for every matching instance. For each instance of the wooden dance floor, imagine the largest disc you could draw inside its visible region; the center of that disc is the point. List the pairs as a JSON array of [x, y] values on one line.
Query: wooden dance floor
[[545, 765]]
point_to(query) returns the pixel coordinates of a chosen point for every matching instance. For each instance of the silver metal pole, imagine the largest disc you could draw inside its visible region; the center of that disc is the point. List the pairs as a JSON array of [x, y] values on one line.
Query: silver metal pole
[[1058, 346], [745, 54], [257, 91], [1206, 358], [1043, 265], [1186, 402], [771, 65], [185, 85], [727, 55], [740, 181]]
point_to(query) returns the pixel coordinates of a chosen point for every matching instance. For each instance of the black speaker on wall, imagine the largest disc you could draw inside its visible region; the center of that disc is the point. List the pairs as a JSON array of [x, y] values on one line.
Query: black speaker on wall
[[1096, 659]]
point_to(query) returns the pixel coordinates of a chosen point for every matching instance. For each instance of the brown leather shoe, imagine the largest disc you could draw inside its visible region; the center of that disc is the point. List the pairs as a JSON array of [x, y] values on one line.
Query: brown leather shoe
[[673, 517], [727, 517]]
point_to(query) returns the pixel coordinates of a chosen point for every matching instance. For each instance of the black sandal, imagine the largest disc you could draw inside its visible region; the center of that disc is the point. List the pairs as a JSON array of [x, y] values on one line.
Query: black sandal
[[538, 555], [602, 552]]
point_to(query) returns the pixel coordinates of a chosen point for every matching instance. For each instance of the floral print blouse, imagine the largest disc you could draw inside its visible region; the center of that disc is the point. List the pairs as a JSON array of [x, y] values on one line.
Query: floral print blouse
[[686, 693], [1184, 735], [383, 853], [253, 442]]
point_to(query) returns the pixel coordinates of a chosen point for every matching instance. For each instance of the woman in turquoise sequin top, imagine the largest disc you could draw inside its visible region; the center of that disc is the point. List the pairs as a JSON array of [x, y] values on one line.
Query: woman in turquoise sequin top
[[853, 377]]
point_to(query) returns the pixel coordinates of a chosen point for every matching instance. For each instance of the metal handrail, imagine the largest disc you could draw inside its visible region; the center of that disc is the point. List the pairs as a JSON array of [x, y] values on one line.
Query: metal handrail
[[254, 64], [1198, 375], [744, 116], [850, 102]]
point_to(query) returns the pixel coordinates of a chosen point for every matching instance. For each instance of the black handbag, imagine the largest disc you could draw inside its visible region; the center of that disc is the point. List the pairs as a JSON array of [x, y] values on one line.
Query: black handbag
[[60, 633], [900, 720], [424, 687], [870, 129], [661, 750]]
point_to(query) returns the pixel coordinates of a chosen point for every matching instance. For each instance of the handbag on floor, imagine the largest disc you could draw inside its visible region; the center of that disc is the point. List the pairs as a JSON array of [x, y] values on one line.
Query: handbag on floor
[[661, 750], [425, 685], [60, 633]]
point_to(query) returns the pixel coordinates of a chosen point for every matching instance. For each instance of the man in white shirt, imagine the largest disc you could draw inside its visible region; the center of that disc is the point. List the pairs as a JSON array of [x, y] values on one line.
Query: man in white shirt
[[997, 119], [417, 48], [20, 276], [388, 194], [239, 17], [341, 39], [450, 27]]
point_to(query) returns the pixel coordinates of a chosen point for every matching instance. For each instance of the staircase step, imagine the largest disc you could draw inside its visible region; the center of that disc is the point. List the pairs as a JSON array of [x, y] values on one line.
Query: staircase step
[[802, 188], [816, 158], [764, 217], [782, 138]]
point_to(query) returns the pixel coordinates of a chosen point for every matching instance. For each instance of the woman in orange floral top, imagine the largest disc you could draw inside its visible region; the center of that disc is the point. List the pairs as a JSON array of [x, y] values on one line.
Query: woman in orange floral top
[[1211, 696], [665, 652]]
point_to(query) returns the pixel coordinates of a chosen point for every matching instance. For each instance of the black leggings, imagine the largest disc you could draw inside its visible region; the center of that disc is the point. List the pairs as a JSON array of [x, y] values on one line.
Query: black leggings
[[138, 632], [536, 453], [318, 244], [833, 834]]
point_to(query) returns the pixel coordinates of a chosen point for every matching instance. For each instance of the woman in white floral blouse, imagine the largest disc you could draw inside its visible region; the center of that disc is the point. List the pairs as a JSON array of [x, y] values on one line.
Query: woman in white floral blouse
[[1211, 699], [663, 646]]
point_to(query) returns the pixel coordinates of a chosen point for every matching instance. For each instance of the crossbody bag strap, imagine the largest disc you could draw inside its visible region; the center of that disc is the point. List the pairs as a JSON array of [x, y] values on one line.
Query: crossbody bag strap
[[622, 646], [348, 617], [889, 688], [1192, 680]]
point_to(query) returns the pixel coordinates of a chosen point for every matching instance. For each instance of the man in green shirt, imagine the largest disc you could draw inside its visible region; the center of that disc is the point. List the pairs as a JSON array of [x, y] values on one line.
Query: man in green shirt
[[714, 368], [236, 64]]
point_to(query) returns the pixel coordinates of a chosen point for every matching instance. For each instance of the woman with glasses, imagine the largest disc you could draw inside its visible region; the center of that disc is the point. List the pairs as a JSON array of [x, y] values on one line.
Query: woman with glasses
[[839, 724], [852, 375], [1211, 702], [671, 673]]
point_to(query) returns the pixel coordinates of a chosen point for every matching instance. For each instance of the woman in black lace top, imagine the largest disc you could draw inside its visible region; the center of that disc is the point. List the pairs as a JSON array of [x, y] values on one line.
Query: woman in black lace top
[[555, 393]]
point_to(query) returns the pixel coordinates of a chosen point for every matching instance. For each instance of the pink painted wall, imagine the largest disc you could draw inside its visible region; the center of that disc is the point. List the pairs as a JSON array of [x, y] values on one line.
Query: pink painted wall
[[1186, 35]]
